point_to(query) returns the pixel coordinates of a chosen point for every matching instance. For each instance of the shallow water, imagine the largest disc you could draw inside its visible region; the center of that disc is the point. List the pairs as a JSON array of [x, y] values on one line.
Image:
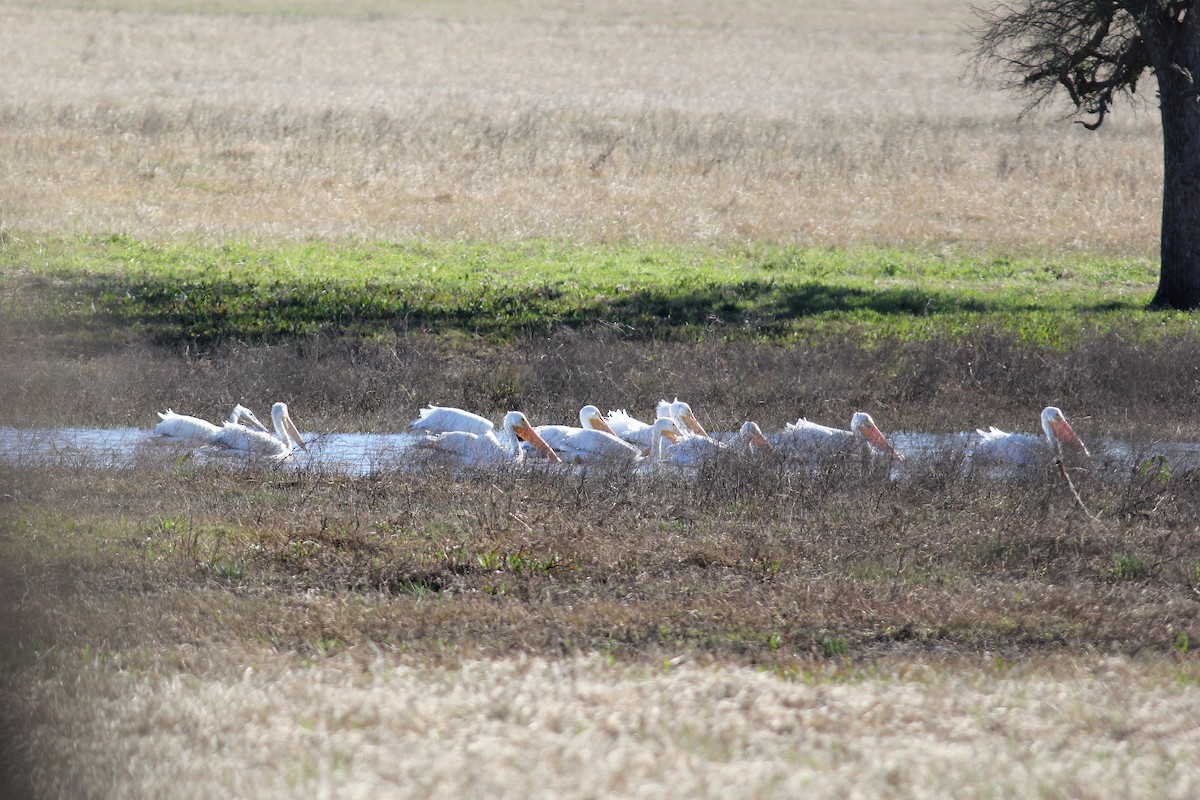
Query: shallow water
[[120, 448], [98, 447], [359, 454]]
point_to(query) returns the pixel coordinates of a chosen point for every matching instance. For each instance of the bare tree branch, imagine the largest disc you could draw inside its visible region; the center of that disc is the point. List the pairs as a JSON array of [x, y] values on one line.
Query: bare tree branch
[[1094, 50]]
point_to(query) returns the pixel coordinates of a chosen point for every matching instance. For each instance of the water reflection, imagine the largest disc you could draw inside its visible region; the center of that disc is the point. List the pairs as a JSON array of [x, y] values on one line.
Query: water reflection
[[121, 448]]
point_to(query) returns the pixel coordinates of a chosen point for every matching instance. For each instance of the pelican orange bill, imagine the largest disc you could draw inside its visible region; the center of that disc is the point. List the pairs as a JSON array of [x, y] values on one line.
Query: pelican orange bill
[[760, 441], [1064, 433], [597, 422], [693, 424], [873, 435], [530, 435], [290, 427]]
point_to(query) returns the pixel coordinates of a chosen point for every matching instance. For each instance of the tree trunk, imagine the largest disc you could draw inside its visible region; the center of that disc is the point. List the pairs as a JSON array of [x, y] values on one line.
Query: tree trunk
[[1179, 96]]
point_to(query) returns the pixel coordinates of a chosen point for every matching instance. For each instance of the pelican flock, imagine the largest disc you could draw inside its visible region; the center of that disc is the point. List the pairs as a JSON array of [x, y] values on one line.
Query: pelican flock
[[251, 439], [675, 438]]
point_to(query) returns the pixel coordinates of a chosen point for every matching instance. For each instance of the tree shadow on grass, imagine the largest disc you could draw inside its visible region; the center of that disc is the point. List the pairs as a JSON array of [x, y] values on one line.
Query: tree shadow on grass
[[769, 302], [207, 313]]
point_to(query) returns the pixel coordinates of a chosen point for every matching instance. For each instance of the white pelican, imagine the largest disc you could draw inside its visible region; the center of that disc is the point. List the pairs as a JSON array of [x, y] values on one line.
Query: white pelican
[[594, 441], [241, 439], [199, 431], [443, 419], [681, 412], [997, 446], [809, 441], [691, 450], [752, 436], [663, 428], [637, 432], [491, 449]]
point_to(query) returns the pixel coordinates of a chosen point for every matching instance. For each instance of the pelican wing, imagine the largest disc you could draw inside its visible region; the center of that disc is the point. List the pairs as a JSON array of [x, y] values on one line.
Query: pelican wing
[[623, 423], [473, 449], [250, 441], [443, 419], [692, 451], [999, 447], [808, 438], [185, 428], [586, 445]]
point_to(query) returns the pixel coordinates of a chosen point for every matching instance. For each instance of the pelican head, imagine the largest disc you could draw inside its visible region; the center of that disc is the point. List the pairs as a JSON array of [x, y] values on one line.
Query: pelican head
[[518, 424], [668, 429], [1058, 432], [862, 424], [242, 415], [285, 429], [664, 428], [753, 434], [590, 417], [682, 412]]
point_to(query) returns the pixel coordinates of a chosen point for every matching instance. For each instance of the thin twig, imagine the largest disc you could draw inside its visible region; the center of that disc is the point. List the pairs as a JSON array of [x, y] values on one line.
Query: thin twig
[[1071, 485], [899, 569]]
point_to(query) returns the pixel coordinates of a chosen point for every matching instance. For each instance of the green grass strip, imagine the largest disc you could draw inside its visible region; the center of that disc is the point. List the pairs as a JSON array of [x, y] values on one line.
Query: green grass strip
[[114, 288]]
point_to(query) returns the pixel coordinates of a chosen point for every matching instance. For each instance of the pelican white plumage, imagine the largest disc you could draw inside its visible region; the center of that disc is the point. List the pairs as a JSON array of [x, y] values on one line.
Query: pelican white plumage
[[198, 431], [663, 428], [641, 434], [444, 419], [491, 449], [999, 447], [629, 428], [692, 450], [241, 439], [809, 441], [664, 432], [592, 442]]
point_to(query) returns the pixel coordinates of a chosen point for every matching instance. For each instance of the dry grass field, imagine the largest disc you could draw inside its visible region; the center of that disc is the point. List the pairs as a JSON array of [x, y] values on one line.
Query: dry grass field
[[822, 122], [188, 632], [579, 728], [181, 631]]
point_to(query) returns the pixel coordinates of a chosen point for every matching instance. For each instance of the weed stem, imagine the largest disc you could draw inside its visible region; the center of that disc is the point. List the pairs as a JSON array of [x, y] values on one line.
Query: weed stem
[[1071, 485]]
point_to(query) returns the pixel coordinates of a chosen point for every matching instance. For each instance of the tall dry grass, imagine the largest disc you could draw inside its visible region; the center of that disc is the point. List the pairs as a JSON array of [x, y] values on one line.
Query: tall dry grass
[[790, 122], [1147, 390], [181, 631], [528, 728]]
